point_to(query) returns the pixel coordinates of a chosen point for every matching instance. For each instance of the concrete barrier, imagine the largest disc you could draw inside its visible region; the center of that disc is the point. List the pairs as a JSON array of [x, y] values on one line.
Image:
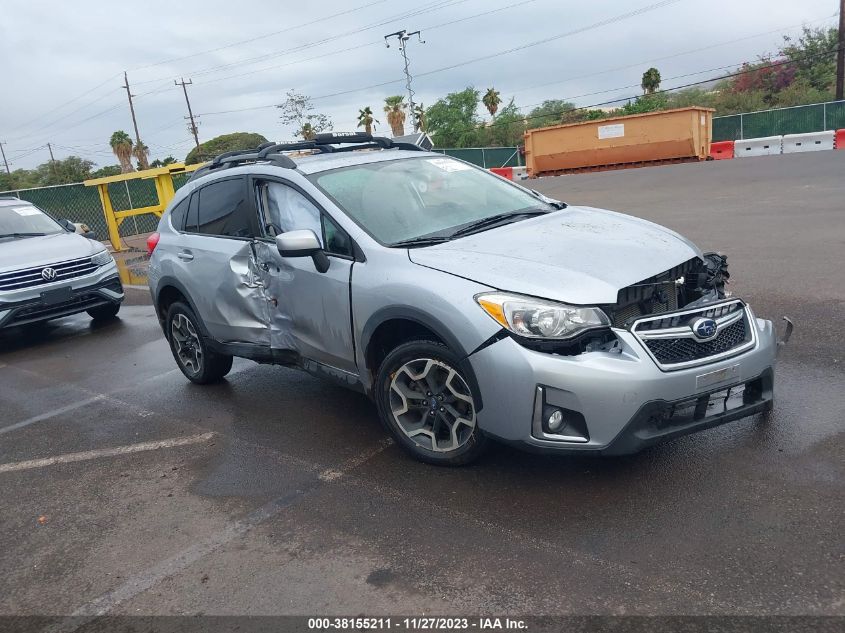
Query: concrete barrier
[[520, 173], [765, 146], [811, 142], [504, 172]]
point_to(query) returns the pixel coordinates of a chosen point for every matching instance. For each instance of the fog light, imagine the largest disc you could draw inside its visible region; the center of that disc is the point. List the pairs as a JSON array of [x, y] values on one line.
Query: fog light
[[555, 420]]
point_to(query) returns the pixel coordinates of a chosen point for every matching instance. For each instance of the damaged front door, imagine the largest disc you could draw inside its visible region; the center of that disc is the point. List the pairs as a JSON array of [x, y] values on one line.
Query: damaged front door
[[309, 311]]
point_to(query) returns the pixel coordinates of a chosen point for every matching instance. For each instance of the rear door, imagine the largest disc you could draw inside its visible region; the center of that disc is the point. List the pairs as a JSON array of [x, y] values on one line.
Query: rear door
[[217, 257], [309, 310]]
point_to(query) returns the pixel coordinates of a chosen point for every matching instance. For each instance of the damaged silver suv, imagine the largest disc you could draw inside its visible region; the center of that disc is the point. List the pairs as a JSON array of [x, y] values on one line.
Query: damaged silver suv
[[467, 307]]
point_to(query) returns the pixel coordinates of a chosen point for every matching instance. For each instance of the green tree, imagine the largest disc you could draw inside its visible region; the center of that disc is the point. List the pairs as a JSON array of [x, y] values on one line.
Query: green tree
[[108, 170], [651, 81], [298, 110], [507, 129], [224, 143], [419, 117], [550, 112], [163, 162], [646, 103], [395, 108], [366, 120], [121, 145], [811, 52], [453, 122], [491, 100], [63, 172]]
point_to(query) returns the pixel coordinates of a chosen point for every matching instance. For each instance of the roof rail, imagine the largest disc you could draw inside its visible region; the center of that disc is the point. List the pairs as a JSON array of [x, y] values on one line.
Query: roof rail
[[323, 143]]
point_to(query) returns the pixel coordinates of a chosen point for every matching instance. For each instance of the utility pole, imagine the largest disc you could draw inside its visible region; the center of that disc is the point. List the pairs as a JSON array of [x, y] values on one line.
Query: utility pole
[[129, 94], [50, 148], [403, 36], [840, 54], [5, 162], [190, 117]]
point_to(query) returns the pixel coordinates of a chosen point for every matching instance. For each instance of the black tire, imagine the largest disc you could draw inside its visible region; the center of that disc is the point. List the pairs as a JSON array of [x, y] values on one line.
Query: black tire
[[210, 366], [472, 442], [104, 312]]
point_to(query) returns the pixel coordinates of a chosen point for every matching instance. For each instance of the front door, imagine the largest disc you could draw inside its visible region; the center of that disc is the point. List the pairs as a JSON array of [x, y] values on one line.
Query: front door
[[309, 311]]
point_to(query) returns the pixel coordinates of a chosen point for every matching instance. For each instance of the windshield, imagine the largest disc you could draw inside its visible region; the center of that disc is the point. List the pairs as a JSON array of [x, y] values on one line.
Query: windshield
[[400, 200], [25, 218]]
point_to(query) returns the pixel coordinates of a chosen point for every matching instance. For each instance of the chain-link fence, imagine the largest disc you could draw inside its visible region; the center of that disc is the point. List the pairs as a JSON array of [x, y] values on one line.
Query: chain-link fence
[[817, 117], [79, 203], [486, 156]]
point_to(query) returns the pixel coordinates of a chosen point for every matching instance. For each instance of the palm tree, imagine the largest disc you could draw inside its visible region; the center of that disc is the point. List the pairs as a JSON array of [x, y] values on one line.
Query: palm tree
[[142, 153], [419, 116], [395, 107], [491, 101], [651, 81], [121, 145], [366, 120]]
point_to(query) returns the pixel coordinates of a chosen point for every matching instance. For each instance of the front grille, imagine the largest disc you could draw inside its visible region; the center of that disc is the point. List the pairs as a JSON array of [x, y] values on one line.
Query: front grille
[[32, 277], [670, 339], [38, 312], [670, 351], [655, 295]]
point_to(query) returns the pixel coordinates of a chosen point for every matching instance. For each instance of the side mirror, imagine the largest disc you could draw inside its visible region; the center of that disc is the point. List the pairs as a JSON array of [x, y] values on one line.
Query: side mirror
[[69, 226], [304, 243]]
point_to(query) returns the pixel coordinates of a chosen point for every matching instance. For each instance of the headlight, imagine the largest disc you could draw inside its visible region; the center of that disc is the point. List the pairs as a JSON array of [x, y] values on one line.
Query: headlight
[[102, 258], [535, 318]]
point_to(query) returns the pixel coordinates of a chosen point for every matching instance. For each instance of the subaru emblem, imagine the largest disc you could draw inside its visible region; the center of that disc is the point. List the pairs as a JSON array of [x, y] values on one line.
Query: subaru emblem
[[48, 274], [704, 328]]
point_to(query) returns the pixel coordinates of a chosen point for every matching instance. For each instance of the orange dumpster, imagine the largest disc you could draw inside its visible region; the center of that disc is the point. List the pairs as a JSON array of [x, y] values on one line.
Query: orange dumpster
[[669, 136]]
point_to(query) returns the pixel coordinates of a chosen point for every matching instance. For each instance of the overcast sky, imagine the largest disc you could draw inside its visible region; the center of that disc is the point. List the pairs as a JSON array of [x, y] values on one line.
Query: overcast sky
[[62, 62]]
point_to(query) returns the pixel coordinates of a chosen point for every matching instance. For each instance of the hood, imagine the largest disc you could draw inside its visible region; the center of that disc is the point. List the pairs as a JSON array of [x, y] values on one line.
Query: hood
[[45, 250], [578, 255]]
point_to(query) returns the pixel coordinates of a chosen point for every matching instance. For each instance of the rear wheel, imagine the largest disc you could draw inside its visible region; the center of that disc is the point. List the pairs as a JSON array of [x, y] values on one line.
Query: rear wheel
[[192, 354], [104, 312], [426, 402]]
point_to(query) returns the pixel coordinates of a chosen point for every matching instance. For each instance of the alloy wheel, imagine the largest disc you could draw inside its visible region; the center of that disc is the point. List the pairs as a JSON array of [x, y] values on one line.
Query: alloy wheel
[[186, 343], [432, 404]]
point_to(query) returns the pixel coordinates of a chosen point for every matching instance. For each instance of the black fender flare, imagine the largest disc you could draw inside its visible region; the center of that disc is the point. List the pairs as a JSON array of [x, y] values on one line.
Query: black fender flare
[[410, 313]]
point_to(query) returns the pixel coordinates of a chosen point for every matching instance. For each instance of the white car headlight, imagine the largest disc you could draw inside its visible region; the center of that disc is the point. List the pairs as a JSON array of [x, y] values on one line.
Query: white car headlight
[[536, 318], [102, 258]]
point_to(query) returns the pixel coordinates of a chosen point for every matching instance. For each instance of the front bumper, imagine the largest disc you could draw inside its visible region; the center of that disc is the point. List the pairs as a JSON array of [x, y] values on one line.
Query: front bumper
[[624, 401], [97, 289]]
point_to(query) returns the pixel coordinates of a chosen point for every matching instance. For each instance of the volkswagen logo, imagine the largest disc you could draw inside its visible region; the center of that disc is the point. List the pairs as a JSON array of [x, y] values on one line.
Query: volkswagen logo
[[48, 274], [704, 329]]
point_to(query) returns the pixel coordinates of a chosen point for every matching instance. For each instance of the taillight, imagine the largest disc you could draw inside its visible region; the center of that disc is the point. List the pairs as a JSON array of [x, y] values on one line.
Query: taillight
[[152, 242]]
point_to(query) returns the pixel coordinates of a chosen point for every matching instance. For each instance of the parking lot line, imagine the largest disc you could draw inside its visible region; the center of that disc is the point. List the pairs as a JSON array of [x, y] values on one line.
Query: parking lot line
[[51, 414], [105, 452]]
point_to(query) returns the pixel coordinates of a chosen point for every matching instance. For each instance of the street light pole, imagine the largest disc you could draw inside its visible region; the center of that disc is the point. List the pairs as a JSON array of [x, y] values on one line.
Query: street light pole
[[840, 54], [402, 37]]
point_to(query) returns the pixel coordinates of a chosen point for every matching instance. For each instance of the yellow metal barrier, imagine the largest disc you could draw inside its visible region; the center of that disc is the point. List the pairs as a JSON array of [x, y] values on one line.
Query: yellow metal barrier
[[164, 188]]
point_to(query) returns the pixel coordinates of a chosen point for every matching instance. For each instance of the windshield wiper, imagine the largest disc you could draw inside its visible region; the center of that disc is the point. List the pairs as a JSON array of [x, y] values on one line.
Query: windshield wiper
[[21, 234], [499, 218], [422, 241]]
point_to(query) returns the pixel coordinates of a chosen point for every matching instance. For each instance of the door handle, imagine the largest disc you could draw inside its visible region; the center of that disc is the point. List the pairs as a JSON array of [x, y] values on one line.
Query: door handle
[[185, 256]]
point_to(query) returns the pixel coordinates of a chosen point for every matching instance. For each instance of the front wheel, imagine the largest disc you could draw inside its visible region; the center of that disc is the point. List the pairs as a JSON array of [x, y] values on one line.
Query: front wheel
[[193, 356], [427, 404]]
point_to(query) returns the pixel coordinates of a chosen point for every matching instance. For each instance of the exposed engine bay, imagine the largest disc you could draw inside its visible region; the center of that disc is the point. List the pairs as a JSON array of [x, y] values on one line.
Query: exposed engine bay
[[694, 283]]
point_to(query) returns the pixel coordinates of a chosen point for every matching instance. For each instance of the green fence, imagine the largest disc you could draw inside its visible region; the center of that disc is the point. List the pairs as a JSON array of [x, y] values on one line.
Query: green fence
[[486, 156], [79, 203], [818, 117]]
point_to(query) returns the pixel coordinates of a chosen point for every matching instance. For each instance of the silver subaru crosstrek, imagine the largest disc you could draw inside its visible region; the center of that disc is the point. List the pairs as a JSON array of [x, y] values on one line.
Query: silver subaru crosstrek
[[467, 306], [48, 270]]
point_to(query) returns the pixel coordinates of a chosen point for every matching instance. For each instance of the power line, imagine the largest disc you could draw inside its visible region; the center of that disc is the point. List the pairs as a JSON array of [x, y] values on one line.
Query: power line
[[606, 22]]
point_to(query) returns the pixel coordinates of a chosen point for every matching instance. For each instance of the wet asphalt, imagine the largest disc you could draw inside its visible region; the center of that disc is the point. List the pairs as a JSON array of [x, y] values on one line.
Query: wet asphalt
[[277, 493]]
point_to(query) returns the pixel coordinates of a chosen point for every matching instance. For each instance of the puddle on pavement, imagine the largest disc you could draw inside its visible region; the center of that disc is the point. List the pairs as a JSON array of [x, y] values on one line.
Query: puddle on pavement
[[133, 268]]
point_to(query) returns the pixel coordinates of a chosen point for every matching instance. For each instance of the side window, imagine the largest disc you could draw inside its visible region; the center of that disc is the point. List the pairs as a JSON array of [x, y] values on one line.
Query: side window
[[177, 215], [193, 213], [338, 241], [224, 209], [290, 210]]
